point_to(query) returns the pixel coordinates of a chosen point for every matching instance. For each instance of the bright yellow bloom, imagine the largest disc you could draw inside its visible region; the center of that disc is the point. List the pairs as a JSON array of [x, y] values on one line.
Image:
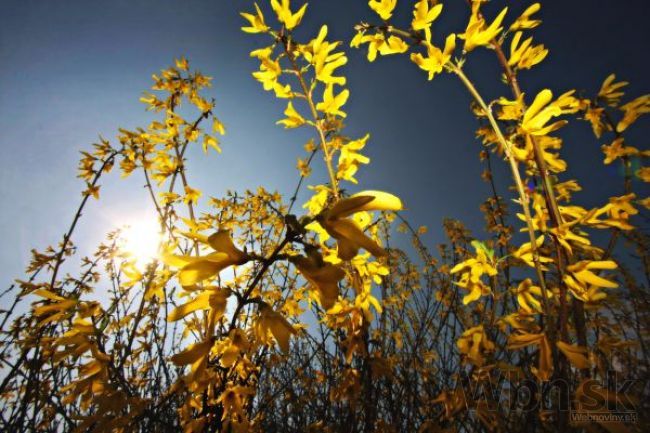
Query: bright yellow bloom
[[477, 34], [350, 159], [542, 110], [525, 253], [192, 195], [270, 71], [618, 211], [643, 173], [319, 53], [565, 236], [473, 269], [511, 109], [293, 119], [424, 15], [195, 269], [580, 277], [526, 55], [524, 22], [384, 8], [378, 43], [214, 299], [257, 24], [436, 59], [318, 200], [282, 10], [350, 238], [332, 104], [527, 295]]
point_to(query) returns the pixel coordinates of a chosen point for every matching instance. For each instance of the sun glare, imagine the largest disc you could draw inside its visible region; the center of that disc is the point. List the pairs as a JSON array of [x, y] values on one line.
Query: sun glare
[[141, 240]]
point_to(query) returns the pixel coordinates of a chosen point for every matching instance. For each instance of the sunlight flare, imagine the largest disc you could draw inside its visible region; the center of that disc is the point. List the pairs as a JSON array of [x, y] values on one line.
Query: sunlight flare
[[140, 240]]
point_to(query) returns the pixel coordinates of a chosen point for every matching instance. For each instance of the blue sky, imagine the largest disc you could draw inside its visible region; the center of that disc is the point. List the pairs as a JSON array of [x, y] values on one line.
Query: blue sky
[[73, 70]]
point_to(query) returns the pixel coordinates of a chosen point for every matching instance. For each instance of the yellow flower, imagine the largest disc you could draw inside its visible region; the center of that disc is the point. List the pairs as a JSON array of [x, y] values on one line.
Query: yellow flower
[[621, 207], [423, 15], [92, 190], [384, 8], [215, 299], [195, 269], [350, 159], [524, 22], [525, 253], [350, 238], [580, 277], [511, 109], [473, 269], [332, 104], [195, 354], [477, 34], [527, 295], [610, 91], [542, 110], [436, 59], [233, 400], [257, 24], [565, 236], [323, 276], [319, 53], [231, 347], [526, 55], [632, 111], [474, 343], [594, 115], [378, 43], [317, 202], [273, 323], [270, 71], [192, 195], [293, 119], [564, 189], [284, 14], [617, 150]]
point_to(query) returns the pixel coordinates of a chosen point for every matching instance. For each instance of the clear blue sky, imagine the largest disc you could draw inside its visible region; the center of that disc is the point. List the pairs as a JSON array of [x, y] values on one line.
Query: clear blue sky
[[72, 70]]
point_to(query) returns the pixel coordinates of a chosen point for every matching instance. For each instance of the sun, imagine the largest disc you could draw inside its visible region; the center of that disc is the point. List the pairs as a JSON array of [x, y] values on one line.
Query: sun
[[141, 240]]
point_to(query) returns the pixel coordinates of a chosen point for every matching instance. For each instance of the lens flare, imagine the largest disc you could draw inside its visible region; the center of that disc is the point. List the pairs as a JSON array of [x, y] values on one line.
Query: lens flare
[[141, 241]]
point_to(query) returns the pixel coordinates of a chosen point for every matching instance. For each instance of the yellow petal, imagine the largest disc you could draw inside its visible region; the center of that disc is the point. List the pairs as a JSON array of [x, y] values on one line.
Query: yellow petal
[[200, 303], [193, 353], [222, 241], [366, 201], [202, 270]]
